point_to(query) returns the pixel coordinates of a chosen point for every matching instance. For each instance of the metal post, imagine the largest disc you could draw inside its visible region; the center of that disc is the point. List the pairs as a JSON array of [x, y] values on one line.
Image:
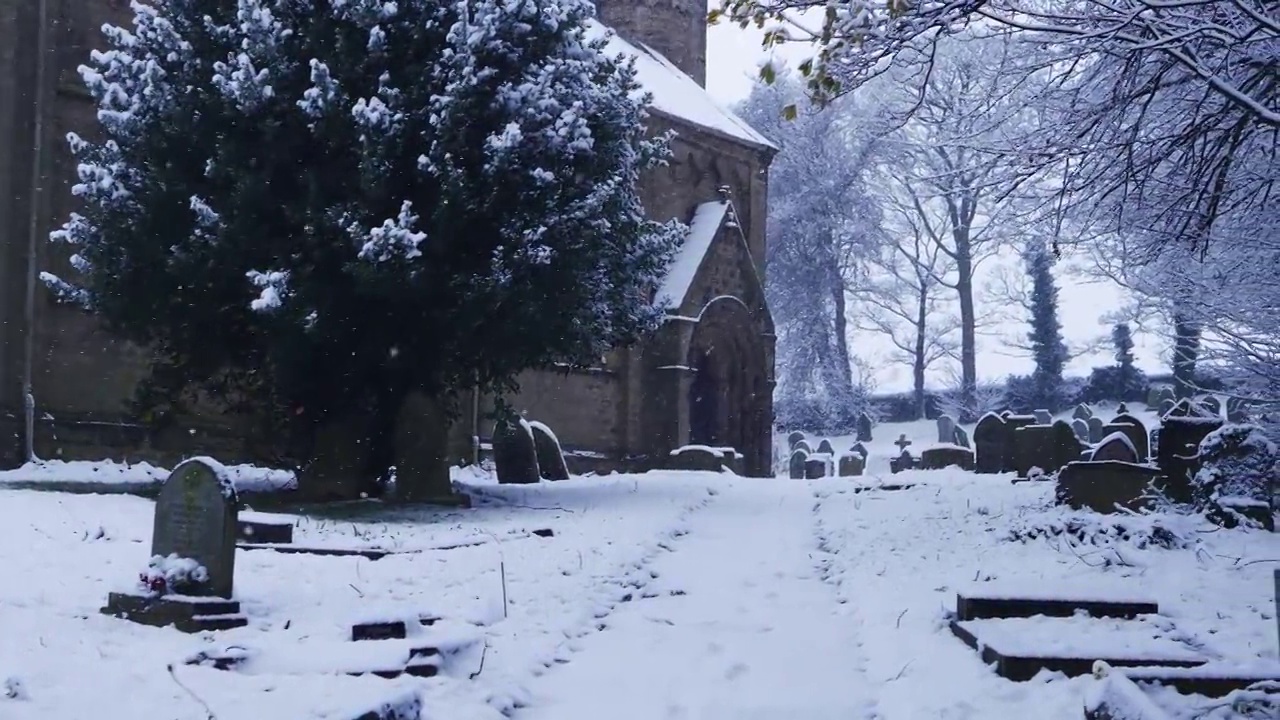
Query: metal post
[[33, 228]]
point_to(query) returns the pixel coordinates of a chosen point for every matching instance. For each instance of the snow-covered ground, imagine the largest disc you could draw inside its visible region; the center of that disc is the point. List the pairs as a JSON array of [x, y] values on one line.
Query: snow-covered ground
[[668, 595]]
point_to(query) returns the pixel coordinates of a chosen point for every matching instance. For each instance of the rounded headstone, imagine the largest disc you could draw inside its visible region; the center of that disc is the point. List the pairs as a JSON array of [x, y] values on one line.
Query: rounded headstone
[[826, 448], [794, 438], [515, 455], [795, 464], [195, 518], [551, 464]]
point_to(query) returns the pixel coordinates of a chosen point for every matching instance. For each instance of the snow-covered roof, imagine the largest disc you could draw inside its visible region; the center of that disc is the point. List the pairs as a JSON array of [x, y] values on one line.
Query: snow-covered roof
[[675, 93], [707, 220]]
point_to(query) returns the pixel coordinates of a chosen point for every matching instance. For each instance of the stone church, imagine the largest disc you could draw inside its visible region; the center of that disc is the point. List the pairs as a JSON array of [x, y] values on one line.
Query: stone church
[[705, 378]]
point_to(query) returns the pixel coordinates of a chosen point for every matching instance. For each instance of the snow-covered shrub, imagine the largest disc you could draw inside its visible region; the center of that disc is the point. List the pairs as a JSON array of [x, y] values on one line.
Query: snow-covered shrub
[[1082, 527], [1237, 476], [172, 574]]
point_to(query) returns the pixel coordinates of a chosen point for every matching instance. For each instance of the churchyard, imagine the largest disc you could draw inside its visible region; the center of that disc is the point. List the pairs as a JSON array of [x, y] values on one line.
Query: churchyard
[[867, 587]]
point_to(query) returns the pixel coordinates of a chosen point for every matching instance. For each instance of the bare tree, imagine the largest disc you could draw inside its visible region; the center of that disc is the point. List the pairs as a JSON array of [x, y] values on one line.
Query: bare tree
[[902, 298]]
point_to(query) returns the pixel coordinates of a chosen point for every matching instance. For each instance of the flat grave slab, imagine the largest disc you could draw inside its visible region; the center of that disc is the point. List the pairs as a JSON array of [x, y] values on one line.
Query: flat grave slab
[[422, 653], [1022, 647], [264, 528], [1025, 603], [1211, 680]]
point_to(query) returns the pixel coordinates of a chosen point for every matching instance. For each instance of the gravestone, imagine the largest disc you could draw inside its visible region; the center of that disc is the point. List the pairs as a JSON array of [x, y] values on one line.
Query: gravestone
[[803, 445], [795, 465], [937, 458], [1122, 409], [1136, 432], [195, 523], [794, 438], [1178, 450], [861, 449], [421, 447], [946, 429], [1164, 407], [826, 448], [1043, 417], [1116, 447], [1101, 486], [902, 442], [904, 461], [1012, 424], [1066, 446], [864, 427], [990, 436], [551, 464], [851, 464], [962, 437], [1081, 429], [1096, 431], [815, 467], [696, 457], [196, 518], [515, 456], [1033, 448], [1082, 412]]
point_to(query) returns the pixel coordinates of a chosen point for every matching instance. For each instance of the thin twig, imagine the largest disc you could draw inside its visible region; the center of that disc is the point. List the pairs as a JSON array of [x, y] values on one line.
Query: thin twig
[[208, 711]]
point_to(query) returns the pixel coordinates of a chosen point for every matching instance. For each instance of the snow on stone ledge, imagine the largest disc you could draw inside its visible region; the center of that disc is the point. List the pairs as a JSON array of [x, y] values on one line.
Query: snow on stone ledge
[[677, 94], [248, 478], [707, 220]]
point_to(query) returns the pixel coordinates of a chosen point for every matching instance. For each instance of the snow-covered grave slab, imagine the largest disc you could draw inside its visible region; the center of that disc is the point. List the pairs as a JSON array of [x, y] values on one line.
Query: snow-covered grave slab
[[109, 476], [1022, 601], [1214, 679], [426, 652], [264, 528], [377, 552], [1020, 648]]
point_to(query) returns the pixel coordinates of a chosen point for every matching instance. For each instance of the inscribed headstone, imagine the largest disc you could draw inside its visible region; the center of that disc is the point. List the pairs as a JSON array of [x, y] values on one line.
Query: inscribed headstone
[[195, 518]]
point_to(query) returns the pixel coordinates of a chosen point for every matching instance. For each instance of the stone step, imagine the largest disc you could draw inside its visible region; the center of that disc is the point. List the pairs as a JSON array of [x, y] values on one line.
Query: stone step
[[1020, 648], [976, 606], [387, 629]]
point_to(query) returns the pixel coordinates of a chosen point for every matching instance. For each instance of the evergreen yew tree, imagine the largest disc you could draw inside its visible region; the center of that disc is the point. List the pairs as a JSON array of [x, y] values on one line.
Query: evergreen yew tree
[[337, 204], [1047, 346], [1129, 380]]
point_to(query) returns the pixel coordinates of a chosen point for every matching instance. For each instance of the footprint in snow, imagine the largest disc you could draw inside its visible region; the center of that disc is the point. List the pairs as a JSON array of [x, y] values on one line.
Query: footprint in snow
[[736, 671]]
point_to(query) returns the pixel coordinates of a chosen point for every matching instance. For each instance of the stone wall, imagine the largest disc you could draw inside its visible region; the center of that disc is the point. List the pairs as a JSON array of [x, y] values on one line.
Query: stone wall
[[675, 28]]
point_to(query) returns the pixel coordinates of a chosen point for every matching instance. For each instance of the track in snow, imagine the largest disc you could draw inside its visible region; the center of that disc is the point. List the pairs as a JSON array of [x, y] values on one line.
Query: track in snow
[[735, 622]]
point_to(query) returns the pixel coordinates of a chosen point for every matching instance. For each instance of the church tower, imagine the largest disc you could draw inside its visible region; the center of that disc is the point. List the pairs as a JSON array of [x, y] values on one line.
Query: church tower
[[675, 28]]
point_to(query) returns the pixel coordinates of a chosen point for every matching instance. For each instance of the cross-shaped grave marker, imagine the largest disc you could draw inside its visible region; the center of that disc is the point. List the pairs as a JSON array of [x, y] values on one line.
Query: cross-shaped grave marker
[[902, 442]]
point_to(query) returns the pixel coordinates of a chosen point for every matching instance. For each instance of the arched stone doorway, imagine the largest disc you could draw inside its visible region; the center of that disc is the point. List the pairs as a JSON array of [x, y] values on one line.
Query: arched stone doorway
[[728, 399]]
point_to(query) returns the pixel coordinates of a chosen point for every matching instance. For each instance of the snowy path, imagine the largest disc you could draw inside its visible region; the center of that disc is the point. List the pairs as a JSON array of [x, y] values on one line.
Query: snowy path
[[737, 623]]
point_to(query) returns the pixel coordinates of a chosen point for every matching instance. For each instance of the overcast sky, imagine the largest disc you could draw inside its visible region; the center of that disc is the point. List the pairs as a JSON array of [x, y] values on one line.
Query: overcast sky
[[733, 60]]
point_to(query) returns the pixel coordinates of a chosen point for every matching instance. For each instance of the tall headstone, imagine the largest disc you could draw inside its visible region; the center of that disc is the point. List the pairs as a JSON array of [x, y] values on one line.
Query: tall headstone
[[795, 464], [1082, 412], [1081, 429], [946, 429], [422, 439], [1012, 424], [864, 427], [850, 464], [515, 456], [551, 464], [196, 518], [1096, 432], [990, 436], [1043, 417], [193, 548]]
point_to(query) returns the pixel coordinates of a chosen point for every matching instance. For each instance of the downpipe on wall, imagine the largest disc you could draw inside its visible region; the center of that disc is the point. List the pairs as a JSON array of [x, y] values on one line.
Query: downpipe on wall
[[33, 229]]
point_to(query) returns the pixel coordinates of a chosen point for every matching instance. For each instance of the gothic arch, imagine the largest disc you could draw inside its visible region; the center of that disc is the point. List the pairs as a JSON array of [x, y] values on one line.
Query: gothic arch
[[729, 403]]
